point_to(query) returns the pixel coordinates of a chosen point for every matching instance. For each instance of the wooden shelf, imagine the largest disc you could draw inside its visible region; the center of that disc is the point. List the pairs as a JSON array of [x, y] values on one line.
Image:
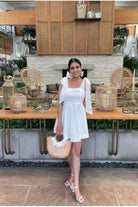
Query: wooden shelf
[[87, 19]]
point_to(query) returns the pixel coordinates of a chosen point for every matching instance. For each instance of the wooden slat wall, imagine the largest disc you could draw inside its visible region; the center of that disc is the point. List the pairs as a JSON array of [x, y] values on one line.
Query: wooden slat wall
[[64, 35], [126, 16], [18, 17]]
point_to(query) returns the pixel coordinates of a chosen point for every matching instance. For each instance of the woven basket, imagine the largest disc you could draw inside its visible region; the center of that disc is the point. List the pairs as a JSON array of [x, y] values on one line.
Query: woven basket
[[18, 103], [106, 98], [58, 152]]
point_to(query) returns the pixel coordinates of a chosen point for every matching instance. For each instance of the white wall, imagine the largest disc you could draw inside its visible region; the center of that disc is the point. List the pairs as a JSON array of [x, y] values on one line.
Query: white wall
[[100, 67]]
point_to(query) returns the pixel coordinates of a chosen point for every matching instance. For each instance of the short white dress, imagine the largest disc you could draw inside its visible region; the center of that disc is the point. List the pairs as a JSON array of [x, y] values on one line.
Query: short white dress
[[74, 118]]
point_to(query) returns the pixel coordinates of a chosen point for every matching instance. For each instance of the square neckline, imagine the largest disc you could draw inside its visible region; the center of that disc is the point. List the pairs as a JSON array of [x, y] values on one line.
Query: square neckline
[[77, 87]]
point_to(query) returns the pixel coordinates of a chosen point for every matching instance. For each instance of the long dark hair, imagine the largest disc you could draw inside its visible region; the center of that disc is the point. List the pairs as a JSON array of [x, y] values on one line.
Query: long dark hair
[[73, 60]]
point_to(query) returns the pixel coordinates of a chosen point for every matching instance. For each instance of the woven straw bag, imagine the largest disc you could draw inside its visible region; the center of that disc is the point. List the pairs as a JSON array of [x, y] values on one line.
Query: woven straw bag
[[58, 149]]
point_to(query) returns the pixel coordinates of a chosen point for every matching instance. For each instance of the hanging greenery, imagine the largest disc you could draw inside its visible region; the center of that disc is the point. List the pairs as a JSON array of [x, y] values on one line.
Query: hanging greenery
[[28, 32], [120, 35]]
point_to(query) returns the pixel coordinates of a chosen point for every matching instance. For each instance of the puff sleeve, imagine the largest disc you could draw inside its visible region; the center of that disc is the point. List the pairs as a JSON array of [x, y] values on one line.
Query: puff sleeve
[[62, 92], [88, 103]]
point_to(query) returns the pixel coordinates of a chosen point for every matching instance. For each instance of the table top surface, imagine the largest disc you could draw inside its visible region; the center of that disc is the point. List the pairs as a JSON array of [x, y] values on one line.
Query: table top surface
[[52, 113]]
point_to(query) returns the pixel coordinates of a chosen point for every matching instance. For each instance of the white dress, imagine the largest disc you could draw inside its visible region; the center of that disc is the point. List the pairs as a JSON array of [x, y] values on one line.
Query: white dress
[[74, 118]]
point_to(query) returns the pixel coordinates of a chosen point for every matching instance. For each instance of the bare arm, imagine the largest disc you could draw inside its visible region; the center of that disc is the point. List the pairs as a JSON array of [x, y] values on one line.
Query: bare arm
[[59, 128]]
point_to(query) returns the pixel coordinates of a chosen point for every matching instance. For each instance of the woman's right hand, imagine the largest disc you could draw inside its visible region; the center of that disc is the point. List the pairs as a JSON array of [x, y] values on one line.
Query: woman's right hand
[[59, 129]]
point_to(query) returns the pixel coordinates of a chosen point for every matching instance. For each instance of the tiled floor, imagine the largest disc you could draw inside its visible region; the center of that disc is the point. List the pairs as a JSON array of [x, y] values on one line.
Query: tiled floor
[[44, 187]]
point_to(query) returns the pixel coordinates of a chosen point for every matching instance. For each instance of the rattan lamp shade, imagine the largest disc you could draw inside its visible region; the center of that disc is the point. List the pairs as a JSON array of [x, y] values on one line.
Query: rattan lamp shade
[[106, 98]]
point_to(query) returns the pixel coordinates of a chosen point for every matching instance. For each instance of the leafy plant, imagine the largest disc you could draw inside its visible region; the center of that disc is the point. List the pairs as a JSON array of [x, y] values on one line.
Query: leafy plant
[[21, 63], [130, 62], [7, 66], [136, 85], [20, 84], [28, 32], [120, 35]]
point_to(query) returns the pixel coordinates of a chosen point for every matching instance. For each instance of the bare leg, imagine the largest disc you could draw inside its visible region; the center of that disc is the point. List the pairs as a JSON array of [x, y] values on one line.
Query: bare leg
[[76, 149], [71, 167]]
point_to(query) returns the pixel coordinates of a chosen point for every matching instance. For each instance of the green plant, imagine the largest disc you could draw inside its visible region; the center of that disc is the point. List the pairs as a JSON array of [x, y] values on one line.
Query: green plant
[[28, 32], [120, 35], [20, 84], [130, 62], [21, 63], [7, 67], [136, 85]]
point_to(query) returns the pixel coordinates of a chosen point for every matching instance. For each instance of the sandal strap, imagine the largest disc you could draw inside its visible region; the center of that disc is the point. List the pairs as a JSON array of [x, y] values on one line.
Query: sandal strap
[[80, 198], [75, 187]]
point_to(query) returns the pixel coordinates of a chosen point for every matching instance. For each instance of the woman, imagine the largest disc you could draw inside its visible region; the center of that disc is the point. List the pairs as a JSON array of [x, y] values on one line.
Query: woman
[[74, 103]]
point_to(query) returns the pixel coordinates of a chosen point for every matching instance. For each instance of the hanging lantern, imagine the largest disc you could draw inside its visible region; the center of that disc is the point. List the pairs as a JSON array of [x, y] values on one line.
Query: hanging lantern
[[8, 89]]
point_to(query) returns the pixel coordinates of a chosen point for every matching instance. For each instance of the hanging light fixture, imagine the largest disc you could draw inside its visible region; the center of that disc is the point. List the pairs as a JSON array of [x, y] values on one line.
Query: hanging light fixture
[[133, 52]]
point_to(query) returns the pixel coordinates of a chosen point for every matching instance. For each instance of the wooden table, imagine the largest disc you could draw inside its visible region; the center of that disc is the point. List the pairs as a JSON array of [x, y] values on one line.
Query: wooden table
[[30, 114]]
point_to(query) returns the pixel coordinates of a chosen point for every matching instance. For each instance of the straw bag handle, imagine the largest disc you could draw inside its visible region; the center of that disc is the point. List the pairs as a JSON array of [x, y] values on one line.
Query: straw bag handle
[[56, 142], [59, 137]]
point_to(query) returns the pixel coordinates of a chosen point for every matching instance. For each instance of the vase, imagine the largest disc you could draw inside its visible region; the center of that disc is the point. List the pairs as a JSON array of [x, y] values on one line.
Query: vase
[[81, 9]]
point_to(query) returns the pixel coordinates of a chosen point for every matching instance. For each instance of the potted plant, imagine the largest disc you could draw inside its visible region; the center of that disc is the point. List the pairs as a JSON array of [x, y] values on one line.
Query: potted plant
[[7, 67], [29, 38], [131, 63], [120, 38]]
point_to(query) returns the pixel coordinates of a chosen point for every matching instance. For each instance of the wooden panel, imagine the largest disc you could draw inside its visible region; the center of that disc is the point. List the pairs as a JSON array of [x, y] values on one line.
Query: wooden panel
[[132, 30], [80, 38], [107, 9], [94, 6], [126, 16], [6, 46], [18, 17], [68, 10], [55, 31], [93, 38], [65, 36], [55, 10], [68, 38], [42, 38], [41, 13], [18, 30], [105, 44]]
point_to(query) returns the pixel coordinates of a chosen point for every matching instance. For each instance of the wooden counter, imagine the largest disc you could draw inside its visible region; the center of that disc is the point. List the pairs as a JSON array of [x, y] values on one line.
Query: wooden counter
[[52, 113]]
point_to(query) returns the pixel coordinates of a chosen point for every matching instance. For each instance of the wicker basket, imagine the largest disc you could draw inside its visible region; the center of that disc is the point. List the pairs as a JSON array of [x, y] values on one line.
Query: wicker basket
[[18, 103], [31, 77], [106, 98]]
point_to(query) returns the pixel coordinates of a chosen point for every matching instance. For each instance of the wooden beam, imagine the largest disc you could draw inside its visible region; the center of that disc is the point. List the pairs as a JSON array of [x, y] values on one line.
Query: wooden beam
[[18, 17], [126, 16]]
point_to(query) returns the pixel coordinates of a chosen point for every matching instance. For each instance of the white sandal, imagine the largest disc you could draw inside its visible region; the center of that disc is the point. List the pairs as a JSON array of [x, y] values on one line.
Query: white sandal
[[80, 199], [68, 184]]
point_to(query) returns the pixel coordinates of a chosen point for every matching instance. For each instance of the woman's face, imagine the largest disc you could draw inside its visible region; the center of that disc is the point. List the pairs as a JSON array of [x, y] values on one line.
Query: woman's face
[[75, 70]]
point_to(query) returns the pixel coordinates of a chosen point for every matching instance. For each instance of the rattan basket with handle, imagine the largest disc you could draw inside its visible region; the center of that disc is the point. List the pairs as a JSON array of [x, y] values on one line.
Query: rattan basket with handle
[[58, 149]]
